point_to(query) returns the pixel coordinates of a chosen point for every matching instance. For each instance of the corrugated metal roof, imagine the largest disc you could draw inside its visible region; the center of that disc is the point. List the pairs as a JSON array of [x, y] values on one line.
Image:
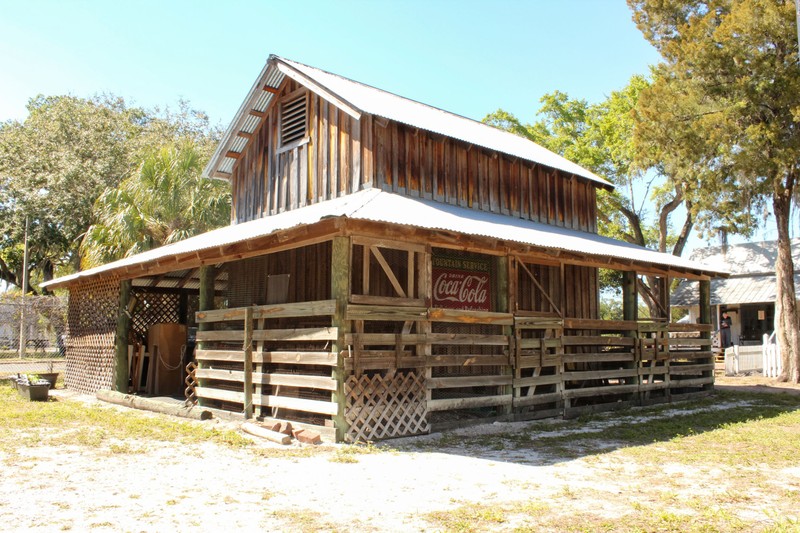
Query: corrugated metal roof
[[747, 258], [381, 206], [738, 290], [257, 99], [391, 106]]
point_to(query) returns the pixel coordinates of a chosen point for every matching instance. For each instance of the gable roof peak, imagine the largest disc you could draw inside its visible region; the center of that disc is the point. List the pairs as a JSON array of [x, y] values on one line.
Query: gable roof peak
[[356, 98]]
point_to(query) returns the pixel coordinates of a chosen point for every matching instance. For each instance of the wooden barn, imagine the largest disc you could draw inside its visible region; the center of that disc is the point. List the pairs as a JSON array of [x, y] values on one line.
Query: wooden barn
[[390, 269]]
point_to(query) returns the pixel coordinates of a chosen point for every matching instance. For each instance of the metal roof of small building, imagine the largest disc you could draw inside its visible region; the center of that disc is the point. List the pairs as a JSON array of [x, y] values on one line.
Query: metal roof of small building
[[380, 206], [356, 98], [752, 268], [732, 291], [747, 258]]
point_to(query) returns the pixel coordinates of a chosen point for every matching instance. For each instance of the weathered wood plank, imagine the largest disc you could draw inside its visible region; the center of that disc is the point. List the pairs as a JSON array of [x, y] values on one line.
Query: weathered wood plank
[[538, 380], [298, 404], [604, 325], [467, 381], [438, 314], [469, 403], [599, 391], [284, 357], [600, 374], [300, 334], [302, 309], [373, 312], [289, 380], [596, 340], [598, 357]]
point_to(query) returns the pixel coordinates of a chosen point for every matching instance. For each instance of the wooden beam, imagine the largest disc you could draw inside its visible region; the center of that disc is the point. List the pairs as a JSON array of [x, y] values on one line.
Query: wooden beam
[[341, 264], [244, 134], [259, 114], [232, 154], [123, 327], [247, 347], [269, 89], [630, 296], [705, 301]]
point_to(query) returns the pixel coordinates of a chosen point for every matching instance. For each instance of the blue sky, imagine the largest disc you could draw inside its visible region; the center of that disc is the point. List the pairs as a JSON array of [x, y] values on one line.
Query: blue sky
[[464, 56]]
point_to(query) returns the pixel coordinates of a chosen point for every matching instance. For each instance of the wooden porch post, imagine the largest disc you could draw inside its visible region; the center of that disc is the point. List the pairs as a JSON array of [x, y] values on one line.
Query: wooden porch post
[[248, 363], [207, 274], [706, 318], [705, 301], [123, 327], [503, 306], [630, 298], [340, 291]]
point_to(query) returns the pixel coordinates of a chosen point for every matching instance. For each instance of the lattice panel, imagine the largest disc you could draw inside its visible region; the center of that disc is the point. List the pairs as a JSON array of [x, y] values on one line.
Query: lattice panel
[[380, 407], [153, 308], [91, 329]]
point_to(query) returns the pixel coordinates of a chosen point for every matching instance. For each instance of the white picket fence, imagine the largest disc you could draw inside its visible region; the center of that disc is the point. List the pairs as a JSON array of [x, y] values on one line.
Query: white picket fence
[[771, 357], [745, 359]]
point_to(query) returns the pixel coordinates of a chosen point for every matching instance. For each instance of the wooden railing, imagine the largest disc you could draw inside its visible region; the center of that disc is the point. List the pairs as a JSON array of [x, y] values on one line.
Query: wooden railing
[[280, 360], [251, 361], [691, 359]]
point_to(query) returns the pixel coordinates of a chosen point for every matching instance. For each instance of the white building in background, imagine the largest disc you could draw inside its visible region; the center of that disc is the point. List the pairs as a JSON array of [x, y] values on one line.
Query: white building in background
[[748, 295]]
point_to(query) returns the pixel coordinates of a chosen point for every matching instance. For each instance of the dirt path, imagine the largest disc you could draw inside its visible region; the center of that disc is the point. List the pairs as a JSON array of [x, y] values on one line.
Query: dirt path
[[156, 486]]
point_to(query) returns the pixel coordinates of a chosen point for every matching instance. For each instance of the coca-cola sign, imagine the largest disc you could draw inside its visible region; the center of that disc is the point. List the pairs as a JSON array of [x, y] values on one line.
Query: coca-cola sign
[[460, 283]]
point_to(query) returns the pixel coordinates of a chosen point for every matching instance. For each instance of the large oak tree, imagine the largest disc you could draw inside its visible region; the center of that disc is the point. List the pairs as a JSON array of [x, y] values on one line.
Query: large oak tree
[[727, 94]]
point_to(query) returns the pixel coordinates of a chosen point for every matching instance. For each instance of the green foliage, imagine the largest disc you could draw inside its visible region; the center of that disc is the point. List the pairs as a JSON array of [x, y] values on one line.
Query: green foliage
[[164, 202], [725, 99], [57, 162], [600, 137]]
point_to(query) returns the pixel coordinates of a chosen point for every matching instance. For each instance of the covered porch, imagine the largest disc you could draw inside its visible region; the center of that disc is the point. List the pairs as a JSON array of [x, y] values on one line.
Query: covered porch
[[375, 319]]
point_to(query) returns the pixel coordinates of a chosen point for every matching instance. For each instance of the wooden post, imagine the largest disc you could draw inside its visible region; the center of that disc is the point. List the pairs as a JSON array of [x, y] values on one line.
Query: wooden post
[[248, 363], [123, 326], [340, 291], [630, 298], [207, 275], [503, 299], [705, 301], [630, 312], [706, 318]]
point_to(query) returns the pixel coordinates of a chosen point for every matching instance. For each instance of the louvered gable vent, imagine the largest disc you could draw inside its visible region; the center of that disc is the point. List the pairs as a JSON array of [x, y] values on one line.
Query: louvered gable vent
[[293, 120]]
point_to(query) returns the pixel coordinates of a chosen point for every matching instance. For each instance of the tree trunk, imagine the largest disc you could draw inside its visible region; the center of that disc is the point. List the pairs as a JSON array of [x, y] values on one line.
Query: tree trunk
[[788, 334]]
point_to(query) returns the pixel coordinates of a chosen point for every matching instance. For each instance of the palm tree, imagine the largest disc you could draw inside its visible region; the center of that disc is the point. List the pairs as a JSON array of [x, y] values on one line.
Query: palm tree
[[165, 201]]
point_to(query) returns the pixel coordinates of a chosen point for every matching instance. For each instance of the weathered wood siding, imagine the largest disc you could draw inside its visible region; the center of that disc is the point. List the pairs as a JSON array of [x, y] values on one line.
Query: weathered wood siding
[[425, 165], [341, 155], [269, 179]]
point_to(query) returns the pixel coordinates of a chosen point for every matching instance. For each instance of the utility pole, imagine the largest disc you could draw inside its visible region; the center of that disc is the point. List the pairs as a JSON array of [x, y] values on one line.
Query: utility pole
[[23, 340]]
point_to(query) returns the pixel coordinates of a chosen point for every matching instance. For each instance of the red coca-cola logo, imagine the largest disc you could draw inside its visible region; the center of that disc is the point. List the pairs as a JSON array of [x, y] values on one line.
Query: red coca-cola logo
[[457, 289]]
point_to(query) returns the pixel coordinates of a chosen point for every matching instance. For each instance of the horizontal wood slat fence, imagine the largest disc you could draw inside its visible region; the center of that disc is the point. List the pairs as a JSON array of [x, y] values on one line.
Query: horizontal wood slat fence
[[409, 370]]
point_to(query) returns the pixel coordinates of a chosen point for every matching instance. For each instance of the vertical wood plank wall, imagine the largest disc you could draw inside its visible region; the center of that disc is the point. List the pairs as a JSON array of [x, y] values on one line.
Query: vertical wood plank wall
[[343, 155]]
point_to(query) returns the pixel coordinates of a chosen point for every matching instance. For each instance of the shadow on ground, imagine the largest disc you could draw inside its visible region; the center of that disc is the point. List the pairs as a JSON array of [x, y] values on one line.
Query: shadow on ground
[[551, 441]]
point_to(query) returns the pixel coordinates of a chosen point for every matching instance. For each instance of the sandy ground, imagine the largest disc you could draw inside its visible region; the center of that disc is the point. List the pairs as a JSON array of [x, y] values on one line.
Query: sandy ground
[[205, 487]]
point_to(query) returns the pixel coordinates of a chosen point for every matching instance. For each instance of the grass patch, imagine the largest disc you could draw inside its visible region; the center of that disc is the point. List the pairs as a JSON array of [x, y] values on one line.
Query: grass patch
[[468, 517], [349, 453], [73, 423], [731, 428], [305, 520]]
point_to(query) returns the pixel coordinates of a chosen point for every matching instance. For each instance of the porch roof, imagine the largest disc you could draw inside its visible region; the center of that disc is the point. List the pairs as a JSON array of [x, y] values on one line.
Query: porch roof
[[375, 205]]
